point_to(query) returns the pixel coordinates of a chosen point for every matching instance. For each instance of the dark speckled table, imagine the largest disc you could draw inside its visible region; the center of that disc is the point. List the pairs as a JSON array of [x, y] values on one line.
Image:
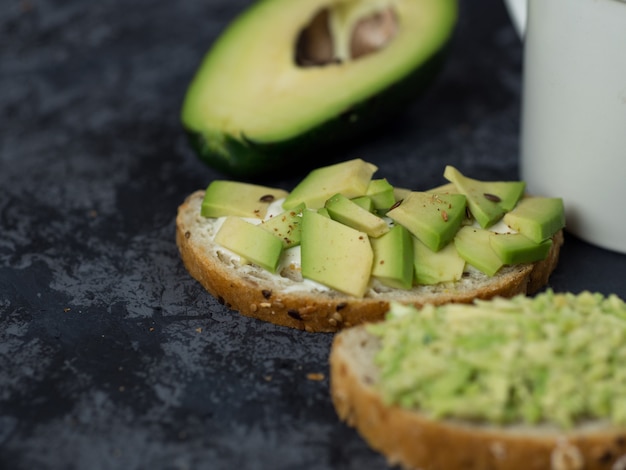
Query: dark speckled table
[[111, 356]]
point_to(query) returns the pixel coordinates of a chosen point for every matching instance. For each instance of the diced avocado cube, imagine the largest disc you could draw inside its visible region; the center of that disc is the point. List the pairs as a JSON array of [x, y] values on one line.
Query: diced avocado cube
[[487, 200], [251, 242], [286, 226], [382, 194], [350, 178], [223, 198], [538, 218], [323, 211], [515, 248], [473, 246], [351, 214], [365, 202], [335, 255], [393, 258], [433, 267], [433, 218]]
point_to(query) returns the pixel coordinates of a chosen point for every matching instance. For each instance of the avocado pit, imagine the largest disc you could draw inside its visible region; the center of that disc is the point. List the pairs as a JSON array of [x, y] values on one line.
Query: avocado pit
[[373, 33], [333, 37]]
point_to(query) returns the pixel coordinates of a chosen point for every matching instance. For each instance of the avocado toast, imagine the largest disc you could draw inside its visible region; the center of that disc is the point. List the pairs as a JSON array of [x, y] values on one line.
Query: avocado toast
[[342, 245], [522, 383]]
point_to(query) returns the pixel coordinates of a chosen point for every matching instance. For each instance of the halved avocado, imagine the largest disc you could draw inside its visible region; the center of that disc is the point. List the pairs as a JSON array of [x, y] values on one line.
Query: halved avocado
[[288, 78]]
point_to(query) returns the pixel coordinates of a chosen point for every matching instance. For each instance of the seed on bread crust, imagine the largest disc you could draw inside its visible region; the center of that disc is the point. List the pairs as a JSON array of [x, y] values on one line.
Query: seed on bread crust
[[337, 317], [605, 457], [566, 456], [294, 314]]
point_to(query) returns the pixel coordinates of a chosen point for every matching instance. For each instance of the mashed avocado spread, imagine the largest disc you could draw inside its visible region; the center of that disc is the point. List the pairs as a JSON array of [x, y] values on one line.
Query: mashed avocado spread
[[556, 358]]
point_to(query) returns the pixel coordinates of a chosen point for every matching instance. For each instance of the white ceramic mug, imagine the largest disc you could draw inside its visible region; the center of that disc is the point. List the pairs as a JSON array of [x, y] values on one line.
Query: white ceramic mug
[[573, 132]]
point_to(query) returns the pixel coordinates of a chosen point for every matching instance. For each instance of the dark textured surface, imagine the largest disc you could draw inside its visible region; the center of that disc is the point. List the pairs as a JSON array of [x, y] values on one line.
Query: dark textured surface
[[111, 356]]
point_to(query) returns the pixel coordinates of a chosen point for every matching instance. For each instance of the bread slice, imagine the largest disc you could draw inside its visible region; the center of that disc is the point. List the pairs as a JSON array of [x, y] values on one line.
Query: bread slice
[[285, 300], [412, 440]]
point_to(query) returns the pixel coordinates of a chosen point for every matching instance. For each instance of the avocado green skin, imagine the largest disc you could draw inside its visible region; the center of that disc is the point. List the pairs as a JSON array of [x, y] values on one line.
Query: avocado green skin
[[247, 159]]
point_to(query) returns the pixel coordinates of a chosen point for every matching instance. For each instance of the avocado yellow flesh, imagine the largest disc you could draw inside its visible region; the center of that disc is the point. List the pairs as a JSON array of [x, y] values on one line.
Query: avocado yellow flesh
[[515, 248], [351, 214], [249, 89], [433, 267], [251, 242], [335, 255], [351, 178], [223, 198], [433, 218], [537, 217], [473, 245], [393, 258]]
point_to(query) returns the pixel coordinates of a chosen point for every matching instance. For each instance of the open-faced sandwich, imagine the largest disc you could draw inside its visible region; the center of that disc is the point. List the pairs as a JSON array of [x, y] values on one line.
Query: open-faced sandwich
[[512, 384], [342, 245]]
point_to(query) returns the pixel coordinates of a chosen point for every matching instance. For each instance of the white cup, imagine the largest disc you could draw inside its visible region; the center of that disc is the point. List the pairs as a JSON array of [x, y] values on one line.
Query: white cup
[[573, 132]]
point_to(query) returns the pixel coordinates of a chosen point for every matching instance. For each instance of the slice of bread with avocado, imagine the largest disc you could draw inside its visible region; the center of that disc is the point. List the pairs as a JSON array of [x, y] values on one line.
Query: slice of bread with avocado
[[337, 249], [516, 384]]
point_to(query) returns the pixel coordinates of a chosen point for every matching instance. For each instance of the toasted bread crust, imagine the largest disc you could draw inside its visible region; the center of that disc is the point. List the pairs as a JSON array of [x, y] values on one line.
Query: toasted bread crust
[[411, 439], [256, 294]]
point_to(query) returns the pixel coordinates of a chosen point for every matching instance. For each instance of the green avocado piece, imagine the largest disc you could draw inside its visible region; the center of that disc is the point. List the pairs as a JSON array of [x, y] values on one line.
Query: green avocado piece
[[364, 202], [433, 267], [351, 214], [515, 248], [223, 198], [538, 218], [350, 178], [323, 211], [292, 79], [335, 255], [381, 193], [433, 218], [487, 200], [393, 258], [286, 226], [251, 242], [473, 245]]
